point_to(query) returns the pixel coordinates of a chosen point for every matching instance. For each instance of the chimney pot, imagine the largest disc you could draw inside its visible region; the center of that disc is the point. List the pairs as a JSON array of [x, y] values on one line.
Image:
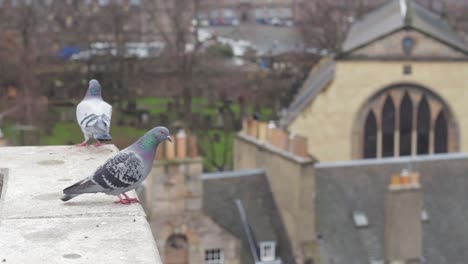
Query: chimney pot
[[181, 144], [160, 152], [262, 131], [245, 125], [279, 138], [170, 150], [395, 181], [298, 146], [252, 128], [192, 146]]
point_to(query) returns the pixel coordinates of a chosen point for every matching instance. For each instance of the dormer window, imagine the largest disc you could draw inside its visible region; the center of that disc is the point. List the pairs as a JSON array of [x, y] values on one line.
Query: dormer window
[[267, 251], [360, 219]]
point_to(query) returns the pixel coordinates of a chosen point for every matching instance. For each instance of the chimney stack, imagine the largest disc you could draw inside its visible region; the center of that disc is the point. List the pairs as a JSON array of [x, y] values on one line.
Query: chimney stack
[[181, 140], [403, 225]]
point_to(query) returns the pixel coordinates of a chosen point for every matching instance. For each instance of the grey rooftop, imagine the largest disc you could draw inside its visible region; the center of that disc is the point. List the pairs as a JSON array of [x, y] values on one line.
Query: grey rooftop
[[37, 227], [397, 15]]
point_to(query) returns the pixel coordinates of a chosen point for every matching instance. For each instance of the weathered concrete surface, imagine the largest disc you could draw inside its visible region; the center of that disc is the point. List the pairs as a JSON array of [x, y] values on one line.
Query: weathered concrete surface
[[37, 227]]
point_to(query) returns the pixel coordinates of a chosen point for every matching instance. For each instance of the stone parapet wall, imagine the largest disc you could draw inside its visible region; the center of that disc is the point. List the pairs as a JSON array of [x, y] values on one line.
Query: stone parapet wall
[[37, 227]]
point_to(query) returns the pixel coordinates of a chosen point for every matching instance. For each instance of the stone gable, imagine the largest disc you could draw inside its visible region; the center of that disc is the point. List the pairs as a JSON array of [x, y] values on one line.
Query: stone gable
[[391, 47]]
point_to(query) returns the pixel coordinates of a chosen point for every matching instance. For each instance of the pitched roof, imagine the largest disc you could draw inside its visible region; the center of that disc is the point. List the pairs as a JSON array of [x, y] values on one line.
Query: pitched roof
[[393, 16], [396, 15], [319, 78], [223, 192], [361, 186]]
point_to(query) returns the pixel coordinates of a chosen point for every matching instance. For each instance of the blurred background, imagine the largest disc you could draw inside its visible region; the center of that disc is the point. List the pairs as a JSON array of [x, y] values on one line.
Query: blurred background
[[313, 126], [202, 65]]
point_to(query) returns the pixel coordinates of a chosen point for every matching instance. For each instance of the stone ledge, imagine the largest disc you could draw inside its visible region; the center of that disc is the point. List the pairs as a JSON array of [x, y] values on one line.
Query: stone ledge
[[37, 227], [275, 150]]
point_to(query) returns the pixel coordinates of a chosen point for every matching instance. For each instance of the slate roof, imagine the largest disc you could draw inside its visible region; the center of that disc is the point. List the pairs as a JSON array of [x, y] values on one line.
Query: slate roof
[[361, 185], [394, 16], [250, 188]]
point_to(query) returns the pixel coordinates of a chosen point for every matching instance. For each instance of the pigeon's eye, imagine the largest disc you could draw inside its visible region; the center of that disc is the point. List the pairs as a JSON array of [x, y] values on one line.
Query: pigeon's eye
[[162, 133]]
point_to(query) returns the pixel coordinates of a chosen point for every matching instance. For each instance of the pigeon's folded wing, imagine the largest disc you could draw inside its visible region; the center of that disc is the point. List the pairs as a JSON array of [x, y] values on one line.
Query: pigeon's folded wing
[[85, 113], [107, 110], [119, 172], [88, 112]]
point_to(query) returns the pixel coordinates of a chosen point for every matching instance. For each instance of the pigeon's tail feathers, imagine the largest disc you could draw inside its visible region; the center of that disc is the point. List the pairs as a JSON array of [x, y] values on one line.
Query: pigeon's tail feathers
[[84, 186], [105, 137], [67, 197], [101, 130]]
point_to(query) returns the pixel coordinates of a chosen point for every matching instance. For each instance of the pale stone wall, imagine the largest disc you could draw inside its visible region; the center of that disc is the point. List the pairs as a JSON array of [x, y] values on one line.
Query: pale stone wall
[[292, 182], [391, 46], [328, 121], [37, 227]]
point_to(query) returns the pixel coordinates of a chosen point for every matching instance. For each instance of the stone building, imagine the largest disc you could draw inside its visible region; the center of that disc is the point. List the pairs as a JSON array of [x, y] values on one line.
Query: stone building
[[382, 120], [397, 88], [217, 218]]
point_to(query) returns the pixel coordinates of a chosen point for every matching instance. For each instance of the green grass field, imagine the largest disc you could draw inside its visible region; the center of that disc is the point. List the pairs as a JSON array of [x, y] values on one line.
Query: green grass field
[[216, 145], [70, 133]]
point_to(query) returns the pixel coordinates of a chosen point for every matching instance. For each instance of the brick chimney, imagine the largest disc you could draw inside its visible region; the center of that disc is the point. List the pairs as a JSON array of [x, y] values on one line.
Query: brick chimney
[[175, 181], [264, 132], [403, 225]]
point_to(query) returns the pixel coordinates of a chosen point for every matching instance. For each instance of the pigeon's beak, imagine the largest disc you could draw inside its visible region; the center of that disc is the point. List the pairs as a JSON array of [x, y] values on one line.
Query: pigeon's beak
[[169, 138]]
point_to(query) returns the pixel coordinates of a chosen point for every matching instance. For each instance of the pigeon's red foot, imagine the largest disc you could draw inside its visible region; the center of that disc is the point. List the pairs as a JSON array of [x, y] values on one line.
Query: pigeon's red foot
[[131, 200], [98, 144], [127, 200], [84, 144], [122, 201]]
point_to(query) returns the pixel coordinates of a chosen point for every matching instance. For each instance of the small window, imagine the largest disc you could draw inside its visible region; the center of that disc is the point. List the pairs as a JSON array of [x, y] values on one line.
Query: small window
[[267, 251], [407, 70], [408, 45], [360, 219], [214, 256], [424, 216]]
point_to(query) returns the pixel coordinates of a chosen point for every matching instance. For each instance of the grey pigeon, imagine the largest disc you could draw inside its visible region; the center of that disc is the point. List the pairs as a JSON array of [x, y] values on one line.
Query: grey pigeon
[[123, 172], [94, 115]]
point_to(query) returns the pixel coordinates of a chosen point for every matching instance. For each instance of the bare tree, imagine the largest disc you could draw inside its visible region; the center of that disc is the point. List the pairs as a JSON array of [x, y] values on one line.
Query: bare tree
[[325, 23], [176, 25]]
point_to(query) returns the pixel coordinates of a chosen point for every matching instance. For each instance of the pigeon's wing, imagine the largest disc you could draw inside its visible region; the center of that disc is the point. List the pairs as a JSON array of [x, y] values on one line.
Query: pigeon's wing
[[120, 172], [106, 114], [85, 113], [90, 112], [107, 110]]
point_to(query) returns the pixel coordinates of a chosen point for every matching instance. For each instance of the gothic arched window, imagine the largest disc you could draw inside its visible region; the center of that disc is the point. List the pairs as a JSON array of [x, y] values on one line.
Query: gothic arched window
[[406, 125], [388, 128], [397, 122], [424, 126], [370, 135], [440, 134]]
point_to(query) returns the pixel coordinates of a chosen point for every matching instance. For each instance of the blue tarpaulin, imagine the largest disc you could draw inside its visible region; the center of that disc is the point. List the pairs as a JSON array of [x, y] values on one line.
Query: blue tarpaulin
[[68, 51]]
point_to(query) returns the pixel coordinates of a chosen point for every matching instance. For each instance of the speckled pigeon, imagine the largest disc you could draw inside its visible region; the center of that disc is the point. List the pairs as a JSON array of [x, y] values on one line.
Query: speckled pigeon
[[94, 115], [123, 172]]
